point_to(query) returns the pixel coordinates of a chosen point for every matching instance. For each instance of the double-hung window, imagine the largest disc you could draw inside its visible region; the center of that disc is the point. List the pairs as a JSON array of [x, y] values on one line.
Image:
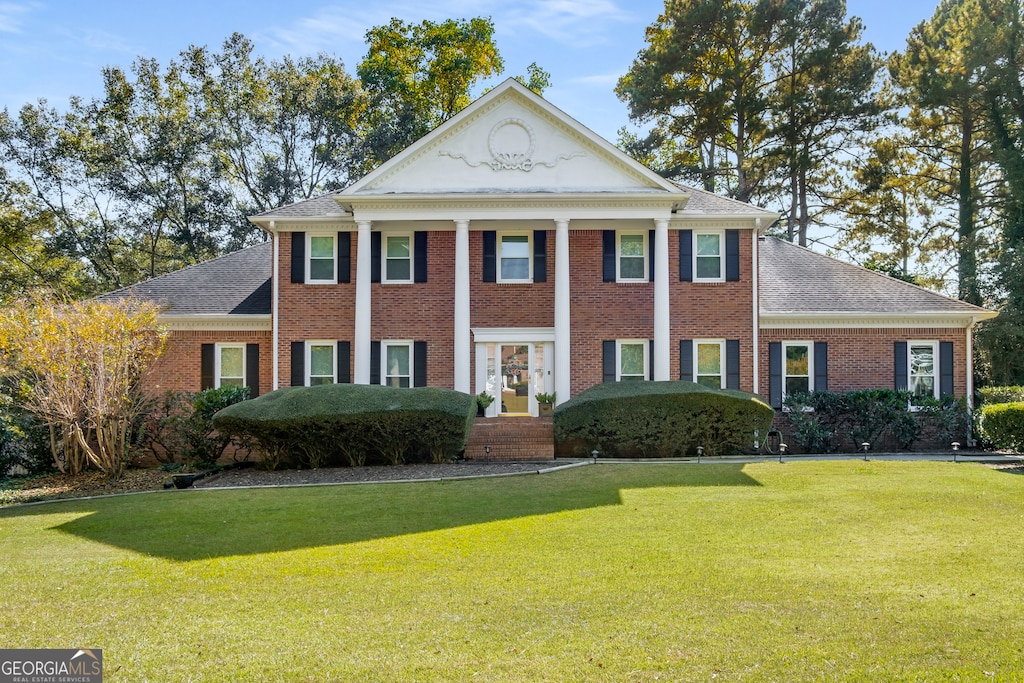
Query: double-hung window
[[230, 369], [798, 367], [514, 258], [709, 365], [397, 360], [321, 360], [398, 258], [632, 362], [707, 257], [322, 255], [922, 365], [632, 257]]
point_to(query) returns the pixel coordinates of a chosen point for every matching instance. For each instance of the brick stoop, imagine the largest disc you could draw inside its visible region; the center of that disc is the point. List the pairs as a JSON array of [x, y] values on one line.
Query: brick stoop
[[511, 439]]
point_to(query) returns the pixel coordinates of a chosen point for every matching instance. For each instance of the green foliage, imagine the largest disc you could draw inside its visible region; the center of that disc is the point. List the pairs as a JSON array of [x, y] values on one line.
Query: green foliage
[[546, 398], [660, 419], [349, 423], [1001, 394], [1001, 425], [180, 427]]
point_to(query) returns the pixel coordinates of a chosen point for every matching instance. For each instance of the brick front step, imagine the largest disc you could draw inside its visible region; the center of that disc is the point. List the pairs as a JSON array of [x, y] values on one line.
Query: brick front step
[[511, 438]]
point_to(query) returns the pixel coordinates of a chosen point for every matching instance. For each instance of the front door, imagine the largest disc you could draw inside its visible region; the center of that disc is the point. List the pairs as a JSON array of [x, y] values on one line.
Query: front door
[[515, 378]]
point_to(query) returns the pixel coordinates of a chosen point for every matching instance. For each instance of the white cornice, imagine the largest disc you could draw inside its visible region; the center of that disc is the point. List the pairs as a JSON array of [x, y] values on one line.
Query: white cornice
[[511, 335], [813, 321], [276, 224], [232, 323]]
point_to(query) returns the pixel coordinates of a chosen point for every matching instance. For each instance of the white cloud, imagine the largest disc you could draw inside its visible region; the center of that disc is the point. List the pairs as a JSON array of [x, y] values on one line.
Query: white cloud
[[571, 22], [13, 14]]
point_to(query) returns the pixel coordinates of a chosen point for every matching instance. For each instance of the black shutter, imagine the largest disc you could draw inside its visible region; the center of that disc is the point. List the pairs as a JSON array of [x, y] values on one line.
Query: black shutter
[[686, 360], [608, 360], [821, 366], [374, 362], [650, 256], [608, 255], [650, 360], [252, 369], [419, 364], [298, 257], [206, 362], [775, 374], [540, 255], [343, 373], [419, 256], [732, 255], [298, 364], [900, 379], [686, 255], [490, 256], [374, 257], [732, 364], [344, 257], [945, 368]]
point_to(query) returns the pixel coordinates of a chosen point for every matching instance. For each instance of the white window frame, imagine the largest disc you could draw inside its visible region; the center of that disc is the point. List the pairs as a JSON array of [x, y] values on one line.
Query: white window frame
[[529, 256], [384, 258], [384, 346], [309, 360], [309, 259], [720, 343], [217, 372], [810, 365], [935, 365], [721, 255], [645, 343], [643, 234]]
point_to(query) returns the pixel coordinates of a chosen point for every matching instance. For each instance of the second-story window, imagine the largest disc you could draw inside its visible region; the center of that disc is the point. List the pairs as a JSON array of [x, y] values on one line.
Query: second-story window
[[632, 258], [321, 258], [398, 258], [708, 257]]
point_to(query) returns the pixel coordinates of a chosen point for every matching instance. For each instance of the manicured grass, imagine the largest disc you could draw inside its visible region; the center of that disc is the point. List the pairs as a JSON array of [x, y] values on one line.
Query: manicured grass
[[828, 571]]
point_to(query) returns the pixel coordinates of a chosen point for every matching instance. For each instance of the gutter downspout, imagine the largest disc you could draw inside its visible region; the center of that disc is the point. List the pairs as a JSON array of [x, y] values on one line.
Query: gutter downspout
[[757, 307], [970, 364], [276, 281]]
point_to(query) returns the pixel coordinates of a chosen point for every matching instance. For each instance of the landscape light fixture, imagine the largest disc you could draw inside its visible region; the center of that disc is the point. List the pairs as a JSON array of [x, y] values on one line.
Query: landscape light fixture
[[700, 452], [865, 447]]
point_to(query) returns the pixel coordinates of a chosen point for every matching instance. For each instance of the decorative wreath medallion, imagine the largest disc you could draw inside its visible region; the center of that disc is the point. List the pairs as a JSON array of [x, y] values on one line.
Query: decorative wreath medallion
[[510, 150]]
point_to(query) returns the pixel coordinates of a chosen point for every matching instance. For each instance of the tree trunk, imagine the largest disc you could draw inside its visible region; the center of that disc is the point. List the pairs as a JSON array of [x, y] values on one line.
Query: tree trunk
[[967, 250]]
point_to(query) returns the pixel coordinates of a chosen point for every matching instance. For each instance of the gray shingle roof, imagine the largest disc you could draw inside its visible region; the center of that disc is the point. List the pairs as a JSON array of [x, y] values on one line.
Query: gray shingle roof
[[324, 205], [796, 280], [237, 283], [709, 202]]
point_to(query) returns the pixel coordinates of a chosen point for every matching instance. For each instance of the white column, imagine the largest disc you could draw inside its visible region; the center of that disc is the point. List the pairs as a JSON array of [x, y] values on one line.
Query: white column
[[662, 322], [563, 348], [361, 342], [462, 346]]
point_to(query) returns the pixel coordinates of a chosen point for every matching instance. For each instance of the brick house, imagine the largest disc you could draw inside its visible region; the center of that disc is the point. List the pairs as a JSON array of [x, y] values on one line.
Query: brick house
[[513, 251]]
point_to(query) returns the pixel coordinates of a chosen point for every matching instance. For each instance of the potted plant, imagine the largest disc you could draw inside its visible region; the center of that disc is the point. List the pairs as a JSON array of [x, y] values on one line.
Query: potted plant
[[483, 402], [544, 403]]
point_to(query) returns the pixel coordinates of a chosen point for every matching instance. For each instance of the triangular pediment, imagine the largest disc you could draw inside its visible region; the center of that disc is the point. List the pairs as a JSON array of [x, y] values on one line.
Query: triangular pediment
[[511, 141]]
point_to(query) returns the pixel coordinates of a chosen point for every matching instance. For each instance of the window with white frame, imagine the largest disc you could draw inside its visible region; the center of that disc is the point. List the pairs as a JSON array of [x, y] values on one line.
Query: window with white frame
[[632, 361], [922, 368], [321, 262], [321, 361], [397, 258], [632, 257], [797, 368], [230, 370], [707, 257], [397, 359], [515, 262], [709, 363]]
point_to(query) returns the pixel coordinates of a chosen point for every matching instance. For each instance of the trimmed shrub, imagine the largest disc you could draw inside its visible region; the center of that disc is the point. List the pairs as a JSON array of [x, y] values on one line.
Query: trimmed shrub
[[660, 419], [1002, 425], [352, 424], [991, 395], [180, 426]]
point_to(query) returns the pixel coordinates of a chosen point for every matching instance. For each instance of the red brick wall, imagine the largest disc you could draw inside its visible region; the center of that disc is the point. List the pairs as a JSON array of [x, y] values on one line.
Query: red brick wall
[[863, 358], [178, 369]]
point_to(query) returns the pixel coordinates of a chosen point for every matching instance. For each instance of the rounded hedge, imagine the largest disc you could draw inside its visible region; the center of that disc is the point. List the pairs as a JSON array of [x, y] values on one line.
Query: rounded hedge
[[661, 419], [1001, 425]]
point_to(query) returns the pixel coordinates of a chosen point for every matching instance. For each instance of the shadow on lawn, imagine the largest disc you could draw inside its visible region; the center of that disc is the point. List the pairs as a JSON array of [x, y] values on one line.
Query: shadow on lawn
[[190, 525]]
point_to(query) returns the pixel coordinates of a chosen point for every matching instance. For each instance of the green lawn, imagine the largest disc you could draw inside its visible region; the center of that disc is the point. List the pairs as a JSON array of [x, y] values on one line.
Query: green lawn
[[811, 571]]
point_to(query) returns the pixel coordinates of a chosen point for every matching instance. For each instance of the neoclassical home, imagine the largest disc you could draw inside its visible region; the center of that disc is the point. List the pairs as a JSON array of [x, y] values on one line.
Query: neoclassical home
[[513, 251]]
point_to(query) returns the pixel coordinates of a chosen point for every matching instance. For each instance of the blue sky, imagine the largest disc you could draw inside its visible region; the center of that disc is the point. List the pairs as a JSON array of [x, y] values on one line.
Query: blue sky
[[55, 49]]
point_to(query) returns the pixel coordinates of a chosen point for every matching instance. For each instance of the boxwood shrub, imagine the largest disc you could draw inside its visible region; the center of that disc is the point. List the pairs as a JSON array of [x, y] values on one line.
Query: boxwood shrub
[[352, 424], [660, 419], [991, 395], [1001, 425]]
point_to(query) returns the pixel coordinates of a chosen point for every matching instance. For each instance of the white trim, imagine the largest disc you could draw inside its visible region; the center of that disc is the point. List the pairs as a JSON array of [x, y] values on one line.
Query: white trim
[[308, 369], [721, 255], [309, 258], [512, 335], [645, 344], [217, 374], [501, 235], [644, 257], [222, 322], [403, 343], [722, 359], [809, 345], [384, 237], [825, 320]]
